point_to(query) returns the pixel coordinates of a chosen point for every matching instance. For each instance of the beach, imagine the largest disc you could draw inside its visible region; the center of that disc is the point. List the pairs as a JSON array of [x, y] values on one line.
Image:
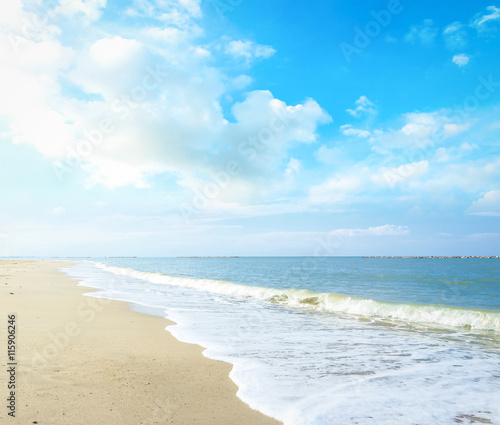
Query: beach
[[82, 360], [332, 340]]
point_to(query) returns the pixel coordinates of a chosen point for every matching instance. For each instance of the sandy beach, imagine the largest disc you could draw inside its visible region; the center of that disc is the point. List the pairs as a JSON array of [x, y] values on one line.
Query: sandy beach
[[80, 360]]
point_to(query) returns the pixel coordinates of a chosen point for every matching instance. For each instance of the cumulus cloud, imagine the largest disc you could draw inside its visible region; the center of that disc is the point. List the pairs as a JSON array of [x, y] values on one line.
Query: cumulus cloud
[[467, 177], [363, 107], [90, 9], [264, 130], [338, 188], [241, 81], [461, 59], [455, 152], [487, 205], [418, 128], [248, 50], [95, 70], [424, 33], [398, 175], [173, 36], [349, 130], [126, 109], [450, 129]]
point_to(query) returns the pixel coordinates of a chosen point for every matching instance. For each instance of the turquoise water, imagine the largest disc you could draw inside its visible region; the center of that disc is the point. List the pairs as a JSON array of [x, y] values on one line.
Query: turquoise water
[[332, 341], [470, 283]]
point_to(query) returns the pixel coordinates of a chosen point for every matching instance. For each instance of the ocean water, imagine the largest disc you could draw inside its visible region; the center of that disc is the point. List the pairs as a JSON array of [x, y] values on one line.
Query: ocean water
[[332, 340]]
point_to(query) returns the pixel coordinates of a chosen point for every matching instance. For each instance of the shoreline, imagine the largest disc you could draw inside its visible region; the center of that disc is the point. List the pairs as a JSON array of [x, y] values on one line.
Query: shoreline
[[84, 360]]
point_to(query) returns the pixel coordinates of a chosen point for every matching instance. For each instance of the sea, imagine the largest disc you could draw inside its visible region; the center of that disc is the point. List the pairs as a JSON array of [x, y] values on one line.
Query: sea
[[331, 340]]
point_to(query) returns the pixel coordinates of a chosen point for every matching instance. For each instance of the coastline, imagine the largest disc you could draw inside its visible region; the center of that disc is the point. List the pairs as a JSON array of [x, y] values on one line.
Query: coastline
[[85, 360]]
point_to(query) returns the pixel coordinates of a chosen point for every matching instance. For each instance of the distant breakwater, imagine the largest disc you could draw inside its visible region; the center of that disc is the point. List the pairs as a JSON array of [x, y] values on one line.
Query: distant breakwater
[[435, 256], [229, 256]]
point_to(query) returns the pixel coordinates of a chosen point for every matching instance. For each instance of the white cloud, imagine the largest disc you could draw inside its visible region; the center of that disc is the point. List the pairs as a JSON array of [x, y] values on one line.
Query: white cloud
[[349, 130], [363, 106], [385, 230], [157, 144], [294, 166], [468, 147], [418, 128], [468, 177], [328, 155], [163, 114], [424, 33], [12, 13], [173, 35], [248, 50], [264, 130], [483, 20], [58, 210], [442, 154], [95, 70], [284, 123], [90, 9], [398, 175], [178, 13], [455, 36], [193, 7], [109, 51], [488, 205], [461, 59], [338, 188], [28, 83], [420, 125], [241, 81], [450, 129]]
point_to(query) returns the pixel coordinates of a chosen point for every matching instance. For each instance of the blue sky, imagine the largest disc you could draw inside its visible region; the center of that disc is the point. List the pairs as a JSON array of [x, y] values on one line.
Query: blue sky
[[238, 127]]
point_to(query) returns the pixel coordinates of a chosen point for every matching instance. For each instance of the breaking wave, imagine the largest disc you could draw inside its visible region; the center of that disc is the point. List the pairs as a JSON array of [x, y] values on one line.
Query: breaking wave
[[434, 315]]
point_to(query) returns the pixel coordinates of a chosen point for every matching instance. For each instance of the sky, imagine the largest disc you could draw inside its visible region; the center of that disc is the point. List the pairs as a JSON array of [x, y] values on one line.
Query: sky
[[249, 127]]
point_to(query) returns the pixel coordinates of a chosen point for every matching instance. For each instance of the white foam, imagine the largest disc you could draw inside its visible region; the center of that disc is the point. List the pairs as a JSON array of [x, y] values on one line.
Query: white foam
[[302, 367], [329, 302]]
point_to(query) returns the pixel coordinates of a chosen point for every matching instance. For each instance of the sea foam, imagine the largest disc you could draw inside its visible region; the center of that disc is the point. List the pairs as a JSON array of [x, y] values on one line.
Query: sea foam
[[296, 362], [431, 315]]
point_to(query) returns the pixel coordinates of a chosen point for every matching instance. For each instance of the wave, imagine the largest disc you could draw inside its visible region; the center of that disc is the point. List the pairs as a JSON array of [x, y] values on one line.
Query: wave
[[435, 315]]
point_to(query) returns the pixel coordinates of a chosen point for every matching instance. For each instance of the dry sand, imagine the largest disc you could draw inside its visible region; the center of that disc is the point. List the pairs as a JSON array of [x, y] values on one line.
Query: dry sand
[[86, 361]]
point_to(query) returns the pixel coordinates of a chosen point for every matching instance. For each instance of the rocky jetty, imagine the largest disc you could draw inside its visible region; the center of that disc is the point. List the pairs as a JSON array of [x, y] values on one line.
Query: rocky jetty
[[436, 256]]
